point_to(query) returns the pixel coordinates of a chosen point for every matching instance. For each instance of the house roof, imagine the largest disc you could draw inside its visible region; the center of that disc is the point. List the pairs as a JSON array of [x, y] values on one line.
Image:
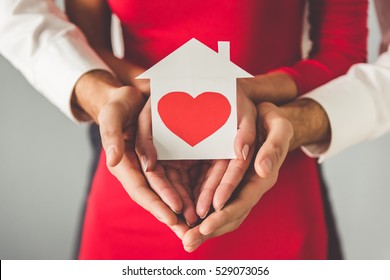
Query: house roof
[[194, 59]]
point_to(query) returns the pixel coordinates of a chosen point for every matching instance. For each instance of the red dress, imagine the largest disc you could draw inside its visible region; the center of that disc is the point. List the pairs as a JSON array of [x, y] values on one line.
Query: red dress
[[265, 35]]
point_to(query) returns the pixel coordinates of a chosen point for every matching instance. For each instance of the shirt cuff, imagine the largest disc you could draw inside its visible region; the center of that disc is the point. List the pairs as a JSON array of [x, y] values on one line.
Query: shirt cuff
[[349, 124], [60, 65]]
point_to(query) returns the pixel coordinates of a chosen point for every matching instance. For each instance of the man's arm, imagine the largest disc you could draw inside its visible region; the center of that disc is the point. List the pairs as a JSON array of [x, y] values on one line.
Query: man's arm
[[52, 53], [348, 110], [309, 121], [357, 106]]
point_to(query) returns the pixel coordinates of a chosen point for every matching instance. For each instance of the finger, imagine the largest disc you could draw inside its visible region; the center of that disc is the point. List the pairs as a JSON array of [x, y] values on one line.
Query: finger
[[246, 198], [192, 239], [197, 176], [232, 216], [142, 84], [230, 181], [227, 219], [210, 184], [183, 173], [144, 140], [180, 228], [129, 175], [279, 132], [188, 209], [246, 133], [216, 222], [243, 145], [161, 184], [111, 119]]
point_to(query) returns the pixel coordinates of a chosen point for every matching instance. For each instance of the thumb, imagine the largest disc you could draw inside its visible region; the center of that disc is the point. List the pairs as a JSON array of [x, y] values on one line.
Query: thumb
[[144, 140], [278, 133], [246, 133], [110, 124]]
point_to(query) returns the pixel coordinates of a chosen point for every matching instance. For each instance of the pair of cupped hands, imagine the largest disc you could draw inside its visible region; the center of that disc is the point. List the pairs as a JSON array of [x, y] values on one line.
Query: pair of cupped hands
[[197, 199]]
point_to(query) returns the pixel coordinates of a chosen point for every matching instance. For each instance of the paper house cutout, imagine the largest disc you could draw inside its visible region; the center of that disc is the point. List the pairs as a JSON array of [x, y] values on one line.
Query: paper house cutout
[[193, 102]]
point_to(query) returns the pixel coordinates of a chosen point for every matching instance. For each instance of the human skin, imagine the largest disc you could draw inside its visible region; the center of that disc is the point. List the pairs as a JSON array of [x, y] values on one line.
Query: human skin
[[276, 87], [283, 129], [99, 13]]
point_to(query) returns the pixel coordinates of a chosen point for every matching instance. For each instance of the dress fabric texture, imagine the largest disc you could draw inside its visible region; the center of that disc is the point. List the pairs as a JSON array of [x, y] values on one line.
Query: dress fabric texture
[[289, 221]]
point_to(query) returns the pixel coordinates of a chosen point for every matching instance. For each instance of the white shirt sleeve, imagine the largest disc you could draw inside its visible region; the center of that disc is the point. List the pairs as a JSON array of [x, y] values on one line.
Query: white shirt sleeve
[[357, 105], [51, 52]]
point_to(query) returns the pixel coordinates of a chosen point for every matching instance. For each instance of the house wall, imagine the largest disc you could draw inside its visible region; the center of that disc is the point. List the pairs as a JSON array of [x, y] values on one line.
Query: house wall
[[169, 145]]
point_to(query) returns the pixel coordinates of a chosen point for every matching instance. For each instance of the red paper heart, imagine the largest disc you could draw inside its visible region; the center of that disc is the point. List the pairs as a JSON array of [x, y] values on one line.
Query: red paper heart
[[194, 119]]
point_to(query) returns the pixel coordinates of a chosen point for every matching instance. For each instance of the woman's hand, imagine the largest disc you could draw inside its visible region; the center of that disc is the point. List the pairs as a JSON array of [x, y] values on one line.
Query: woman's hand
[[223, 176], [99, 96], [169, 179], [206, 183], [277, 133], [232, 215]]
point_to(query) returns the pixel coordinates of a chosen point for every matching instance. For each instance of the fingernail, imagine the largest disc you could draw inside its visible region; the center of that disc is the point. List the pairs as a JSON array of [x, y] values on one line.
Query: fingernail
[[220, 208], [266, 166], [176, 212], [204, 216], [145, 163], [110, 155], [245, 151], [188, 224]]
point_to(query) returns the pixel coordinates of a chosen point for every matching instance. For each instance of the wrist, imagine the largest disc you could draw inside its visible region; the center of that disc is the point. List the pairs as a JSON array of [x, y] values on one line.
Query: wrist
[[276, 87], [310, 122], [92, 91], [125, 71]]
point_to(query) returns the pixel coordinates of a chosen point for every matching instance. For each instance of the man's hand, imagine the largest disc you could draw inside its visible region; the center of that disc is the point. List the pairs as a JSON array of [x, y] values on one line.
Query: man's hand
[[278, 133], [275, 136], [99, 96], [214, 180], [232, 215], [310, 122], [224, 176]]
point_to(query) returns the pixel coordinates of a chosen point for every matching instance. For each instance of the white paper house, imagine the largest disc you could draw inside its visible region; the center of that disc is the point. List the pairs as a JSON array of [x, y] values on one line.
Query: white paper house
[[194, 69]]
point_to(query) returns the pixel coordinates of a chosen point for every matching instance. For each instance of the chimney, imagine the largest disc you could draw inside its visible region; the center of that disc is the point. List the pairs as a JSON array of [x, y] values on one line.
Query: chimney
[[224, 49]]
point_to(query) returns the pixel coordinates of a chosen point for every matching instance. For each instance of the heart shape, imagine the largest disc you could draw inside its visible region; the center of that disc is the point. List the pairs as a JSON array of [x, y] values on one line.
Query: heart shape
[[194, 119]]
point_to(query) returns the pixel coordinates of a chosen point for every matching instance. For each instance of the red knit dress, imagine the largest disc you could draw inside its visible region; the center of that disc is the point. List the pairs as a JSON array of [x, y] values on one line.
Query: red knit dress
[[265, 35]]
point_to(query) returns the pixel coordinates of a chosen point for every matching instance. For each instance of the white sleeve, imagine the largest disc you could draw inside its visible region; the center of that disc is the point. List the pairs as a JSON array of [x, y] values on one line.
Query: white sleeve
[[357, 105], [51, 52]]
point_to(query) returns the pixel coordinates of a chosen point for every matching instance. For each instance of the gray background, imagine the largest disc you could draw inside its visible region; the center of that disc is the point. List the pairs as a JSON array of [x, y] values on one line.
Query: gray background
[[45, 160]]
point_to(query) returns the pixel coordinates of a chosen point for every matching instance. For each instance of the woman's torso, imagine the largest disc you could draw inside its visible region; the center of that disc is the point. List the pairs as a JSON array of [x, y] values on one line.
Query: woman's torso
[[288, 221]]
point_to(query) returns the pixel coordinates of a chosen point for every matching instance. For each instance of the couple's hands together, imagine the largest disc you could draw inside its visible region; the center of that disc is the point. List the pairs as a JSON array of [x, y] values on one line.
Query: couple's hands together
[[219, 179], [115, 108], [277, 133], [194, 188], [116, 113]]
